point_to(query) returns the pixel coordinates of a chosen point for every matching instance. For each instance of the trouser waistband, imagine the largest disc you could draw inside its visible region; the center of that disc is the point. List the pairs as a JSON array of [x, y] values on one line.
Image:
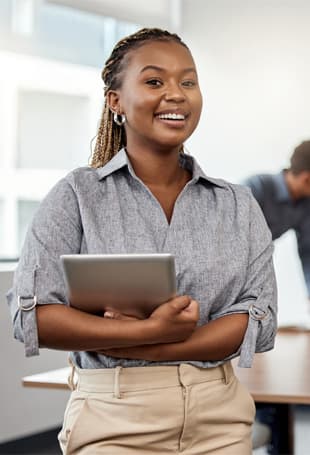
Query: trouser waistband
[[119, 379]]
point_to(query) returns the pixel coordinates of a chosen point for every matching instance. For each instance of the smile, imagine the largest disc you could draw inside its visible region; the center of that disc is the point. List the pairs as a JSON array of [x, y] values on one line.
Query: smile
[[172, 116]]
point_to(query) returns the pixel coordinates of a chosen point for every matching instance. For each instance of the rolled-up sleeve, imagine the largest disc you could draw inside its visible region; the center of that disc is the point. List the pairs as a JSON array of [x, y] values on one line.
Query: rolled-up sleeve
[[55, 230], [258, 296]]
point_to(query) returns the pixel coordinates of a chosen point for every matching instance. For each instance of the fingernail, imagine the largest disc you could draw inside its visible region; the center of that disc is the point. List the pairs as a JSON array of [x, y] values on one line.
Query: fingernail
[[109, 314]]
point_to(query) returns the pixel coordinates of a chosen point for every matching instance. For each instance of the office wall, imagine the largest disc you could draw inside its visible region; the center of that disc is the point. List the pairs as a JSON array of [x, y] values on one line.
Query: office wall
[[253, 59], [24, 411], [254, 66]]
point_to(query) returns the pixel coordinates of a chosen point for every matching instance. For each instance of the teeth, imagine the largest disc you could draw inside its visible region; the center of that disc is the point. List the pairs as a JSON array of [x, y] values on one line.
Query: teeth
[[172, 116]]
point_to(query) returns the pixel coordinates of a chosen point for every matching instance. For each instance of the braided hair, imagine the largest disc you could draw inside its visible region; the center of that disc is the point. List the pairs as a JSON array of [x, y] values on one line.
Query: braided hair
[[111, 137]]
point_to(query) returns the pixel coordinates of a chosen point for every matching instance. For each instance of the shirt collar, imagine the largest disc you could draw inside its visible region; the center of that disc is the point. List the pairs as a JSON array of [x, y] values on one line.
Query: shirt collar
[[189, 162], [118, 161], [121, 160], [281, 189]]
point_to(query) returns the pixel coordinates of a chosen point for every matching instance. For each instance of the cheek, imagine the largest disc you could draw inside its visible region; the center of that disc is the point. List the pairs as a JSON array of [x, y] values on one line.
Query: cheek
[[139, 106], [197, 107], [197, 103]]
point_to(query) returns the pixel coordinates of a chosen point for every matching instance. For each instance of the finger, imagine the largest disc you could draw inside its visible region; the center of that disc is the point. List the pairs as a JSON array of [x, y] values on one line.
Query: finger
[[114, 315], [193, 307], [191, 312], [180, 303]]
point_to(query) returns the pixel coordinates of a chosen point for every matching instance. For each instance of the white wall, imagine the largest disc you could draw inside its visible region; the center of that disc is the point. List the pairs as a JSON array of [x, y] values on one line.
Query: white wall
[[24, 411], [254, 66], [253, 59]]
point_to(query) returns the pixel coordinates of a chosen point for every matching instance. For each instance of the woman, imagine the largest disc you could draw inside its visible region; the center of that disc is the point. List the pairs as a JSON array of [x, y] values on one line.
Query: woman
[[164, 384]]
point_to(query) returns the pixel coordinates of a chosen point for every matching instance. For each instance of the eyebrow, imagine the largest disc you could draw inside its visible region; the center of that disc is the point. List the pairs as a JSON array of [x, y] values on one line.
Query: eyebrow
[[158, 68]]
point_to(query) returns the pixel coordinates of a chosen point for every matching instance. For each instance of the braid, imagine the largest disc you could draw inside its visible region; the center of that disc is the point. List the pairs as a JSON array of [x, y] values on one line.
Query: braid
[[111, 137]]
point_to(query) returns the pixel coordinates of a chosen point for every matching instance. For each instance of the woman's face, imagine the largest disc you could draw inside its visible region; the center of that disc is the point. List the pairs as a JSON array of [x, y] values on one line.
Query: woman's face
[[159, 95]]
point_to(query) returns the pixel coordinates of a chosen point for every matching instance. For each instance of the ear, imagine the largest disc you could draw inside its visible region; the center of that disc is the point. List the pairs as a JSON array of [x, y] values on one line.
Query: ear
[[305, 176], [113, 101]]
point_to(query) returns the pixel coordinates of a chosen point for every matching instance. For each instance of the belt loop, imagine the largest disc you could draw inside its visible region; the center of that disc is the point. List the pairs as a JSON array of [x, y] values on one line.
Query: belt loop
[[72, 384], [226, 374], [117, 391]]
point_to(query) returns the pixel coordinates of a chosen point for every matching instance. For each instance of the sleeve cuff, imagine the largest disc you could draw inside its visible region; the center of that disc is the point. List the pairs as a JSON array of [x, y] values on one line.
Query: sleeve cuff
[[29, 323], [248, 348]]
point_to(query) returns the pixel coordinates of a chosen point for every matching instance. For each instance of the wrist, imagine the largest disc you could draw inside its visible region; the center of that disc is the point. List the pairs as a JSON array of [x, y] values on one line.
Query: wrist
[[150, 331], [142, 332]]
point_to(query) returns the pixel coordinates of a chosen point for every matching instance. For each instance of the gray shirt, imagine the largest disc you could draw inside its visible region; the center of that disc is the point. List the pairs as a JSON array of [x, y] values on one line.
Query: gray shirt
[[218, 235], [283, 213]]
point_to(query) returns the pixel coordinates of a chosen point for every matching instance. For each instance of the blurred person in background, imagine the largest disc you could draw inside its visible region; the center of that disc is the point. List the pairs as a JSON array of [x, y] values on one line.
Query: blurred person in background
[[285, 201]]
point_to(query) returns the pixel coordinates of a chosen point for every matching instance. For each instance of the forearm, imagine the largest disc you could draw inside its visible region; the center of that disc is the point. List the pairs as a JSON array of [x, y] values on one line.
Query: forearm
[[214, 341], [65, 328]]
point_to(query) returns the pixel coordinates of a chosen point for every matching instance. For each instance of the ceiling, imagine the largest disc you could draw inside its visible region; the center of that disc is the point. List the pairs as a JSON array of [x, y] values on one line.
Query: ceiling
[[162, 13]]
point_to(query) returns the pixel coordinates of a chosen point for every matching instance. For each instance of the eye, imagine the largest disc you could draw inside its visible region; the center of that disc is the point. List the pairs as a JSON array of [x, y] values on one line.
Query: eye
[[189, 83], [154, 82]]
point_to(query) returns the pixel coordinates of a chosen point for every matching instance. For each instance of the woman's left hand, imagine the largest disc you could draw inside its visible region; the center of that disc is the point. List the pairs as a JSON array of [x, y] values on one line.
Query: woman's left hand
[[111, 314]]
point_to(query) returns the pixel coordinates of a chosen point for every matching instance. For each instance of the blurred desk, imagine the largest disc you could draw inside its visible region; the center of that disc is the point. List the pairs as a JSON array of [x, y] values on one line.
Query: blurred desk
[[280, 377], [283, 374], [54, 379]]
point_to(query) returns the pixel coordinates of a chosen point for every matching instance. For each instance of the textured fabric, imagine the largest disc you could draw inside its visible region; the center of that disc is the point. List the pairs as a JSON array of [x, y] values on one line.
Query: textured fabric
[[159, 410], [283, 213], [218, 235]]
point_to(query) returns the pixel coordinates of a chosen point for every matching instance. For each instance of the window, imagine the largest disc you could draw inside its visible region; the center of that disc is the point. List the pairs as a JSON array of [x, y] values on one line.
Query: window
[[53, 130], [25, 212], [50, 102]]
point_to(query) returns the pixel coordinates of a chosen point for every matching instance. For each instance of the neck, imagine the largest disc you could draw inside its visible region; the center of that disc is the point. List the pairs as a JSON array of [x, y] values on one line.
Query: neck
[[156, 168], [292, 185]]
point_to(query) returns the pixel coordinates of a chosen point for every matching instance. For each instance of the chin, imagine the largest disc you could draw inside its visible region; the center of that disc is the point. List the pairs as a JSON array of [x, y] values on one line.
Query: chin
[[173, 142], [170, 146]]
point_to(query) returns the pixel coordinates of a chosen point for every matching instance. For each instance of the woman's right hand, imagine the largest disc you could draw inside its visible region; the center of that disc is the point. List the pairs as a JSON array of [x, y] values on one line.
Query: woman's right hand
[[175, 320]]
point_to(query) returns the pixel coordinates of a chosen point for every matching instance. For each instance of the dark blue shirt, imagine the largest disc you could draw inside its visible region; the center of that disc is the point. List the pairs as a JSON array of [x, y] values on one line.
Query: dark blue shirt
[[283, 213]]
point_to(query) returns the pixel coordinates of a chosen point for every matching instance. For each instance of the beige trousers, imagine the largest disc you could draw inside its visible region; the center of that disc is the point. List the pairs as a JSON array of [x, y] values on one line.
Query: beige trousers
[[158, 410]]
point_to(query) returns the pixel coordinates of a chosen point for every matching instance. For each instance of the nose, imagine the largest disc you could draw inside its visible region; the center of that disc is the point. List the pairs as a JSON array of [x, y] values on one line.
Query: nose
[[174, 92]]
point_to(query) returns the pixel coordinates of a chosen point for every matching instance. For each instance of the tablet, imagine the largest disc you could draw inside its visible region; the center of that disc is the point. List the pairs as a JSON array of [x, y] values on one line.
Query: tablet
[[133, 284]]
